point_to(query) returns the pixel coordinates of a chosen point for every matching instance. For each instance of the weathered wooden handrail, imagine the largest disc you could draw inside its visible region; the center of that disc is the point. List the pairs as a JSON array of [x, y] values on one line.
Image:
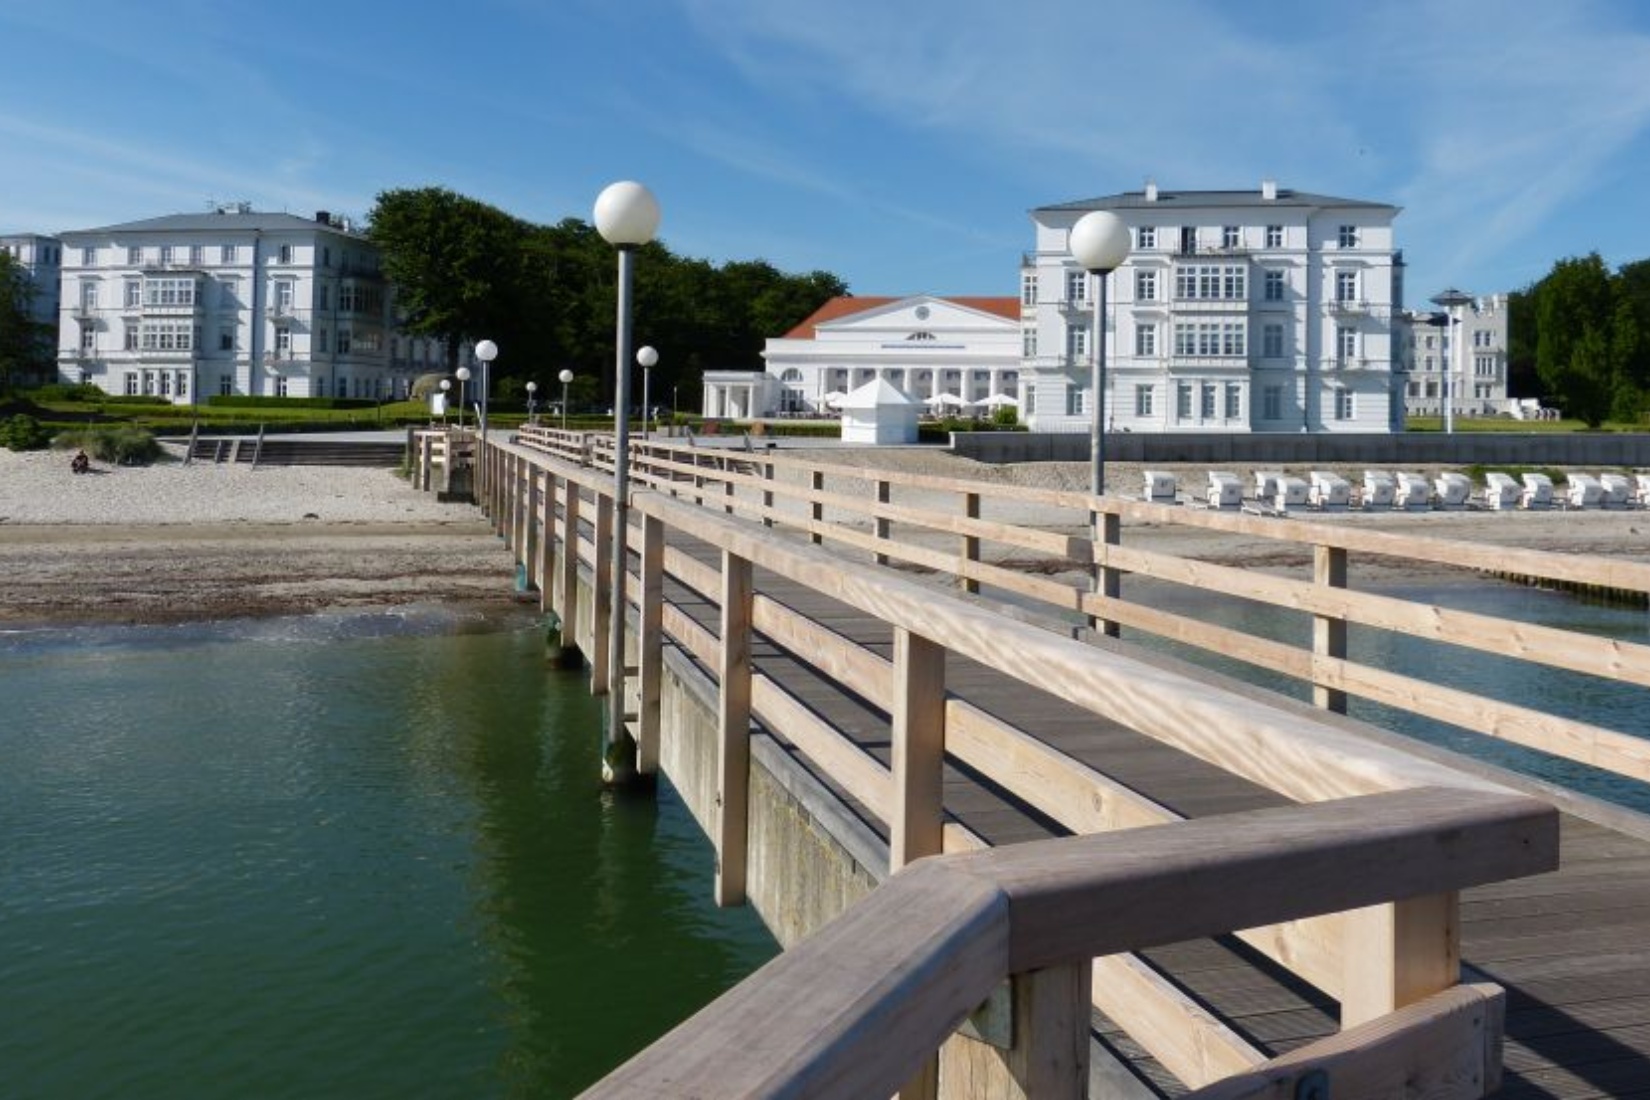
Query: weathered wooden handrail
[[853, 1011], [886, 530]]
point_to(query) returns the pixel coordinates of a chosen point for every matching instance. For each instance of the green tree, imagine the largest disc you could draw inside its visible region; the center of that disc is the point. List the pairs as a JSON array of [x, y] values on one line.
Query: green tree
[[1574, 311], [23, 340]]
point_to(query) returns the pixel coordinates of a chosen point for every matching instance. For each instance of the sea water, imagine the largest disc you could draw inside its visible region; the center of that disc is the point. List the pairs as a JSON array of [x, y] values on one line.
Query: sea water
[[333, 856]]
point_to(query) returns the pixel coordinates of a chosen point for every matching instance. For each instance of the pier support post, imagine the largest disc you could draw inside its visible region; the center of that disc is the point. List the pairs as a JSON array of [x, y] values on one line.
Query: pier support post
[[567, 568], [733, 757], [971, 543], [1047, 1054], [1108, 532], [1397, 954], [601, 596], [1329, 632], [651, 641]]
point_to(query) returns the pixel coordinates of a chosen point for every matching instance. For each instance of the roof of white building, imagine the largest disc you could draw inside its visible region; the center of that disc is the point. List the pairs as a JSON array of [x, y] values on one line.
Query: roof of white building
[[875, 394], [1156, 198], [847, 306], [232, 219]]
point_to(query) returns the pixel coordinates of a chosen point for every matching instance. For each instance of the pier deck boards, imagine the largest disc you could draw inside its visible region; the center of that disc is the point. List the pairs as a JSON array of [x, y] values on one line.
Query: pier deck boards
[[1571, 947]]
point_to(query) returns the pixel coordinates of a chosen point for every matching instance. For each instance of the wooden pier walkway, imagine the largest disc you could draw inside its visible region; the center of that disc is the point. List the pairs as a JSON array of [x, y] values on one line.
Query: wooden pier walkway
[[1571, 946]]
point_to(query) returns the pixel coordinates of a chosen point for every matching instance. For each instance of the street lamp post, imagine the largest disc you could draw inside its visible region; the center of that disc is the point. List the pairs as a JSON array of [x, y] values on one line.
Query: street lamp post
[[532, 402], [1452, 300], [566, 376], [446, 391], [1100, 244], [486, 351], [627, 216], [648, 358], [463, 377]]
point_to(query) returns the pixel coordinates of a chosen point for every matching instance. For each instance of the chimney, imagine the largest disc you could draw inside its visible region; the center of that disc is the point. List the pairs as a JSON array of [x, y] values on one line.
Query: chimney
[[1151, 190], [1269, 190], [324, 217]]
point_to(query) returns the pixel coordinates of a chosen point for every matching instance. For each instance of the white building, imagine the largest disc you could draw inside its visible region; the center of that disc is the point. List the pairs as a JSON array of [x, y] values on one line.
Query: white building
[[233, 302], [923, 345], [1471, 356], [1236, 311], [40, 258]]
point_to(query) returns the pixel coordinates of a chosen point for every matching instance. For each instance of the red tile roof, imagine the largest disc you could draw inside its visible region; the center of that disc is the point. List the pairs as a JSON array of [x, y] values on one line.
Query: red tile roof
[[847, 306]]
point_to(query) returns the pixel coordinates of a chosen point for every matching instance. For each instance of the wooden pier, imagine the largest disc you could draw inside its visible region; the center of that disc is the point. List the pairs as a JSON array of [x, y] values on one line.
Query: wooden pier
[[845, 676]]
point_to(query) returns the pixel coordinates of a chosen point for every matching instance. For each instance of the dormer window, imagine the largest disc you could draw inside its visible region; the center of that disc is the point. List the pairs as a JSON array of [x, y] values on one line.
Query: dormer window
[[921, 335]]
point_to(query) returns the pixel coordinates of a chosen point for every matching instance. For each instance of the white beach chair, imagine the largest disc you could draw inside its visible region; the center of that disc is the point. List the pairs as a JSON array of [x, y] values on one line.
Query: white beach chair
[[1225, 490], [1292, 493], [1617, 491], [1380, 490], [1452, 490], [1414, 494], [1643, 493], [1582, 490], [1266, 485], [1538, 492], [1329, 492], [1500, 492], [1159, 487]]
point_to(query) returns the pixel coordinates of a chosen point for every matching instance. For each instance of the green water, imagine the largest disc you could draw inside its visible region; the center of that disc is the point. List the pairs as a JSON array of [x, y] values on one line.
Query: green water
[[332, 857]]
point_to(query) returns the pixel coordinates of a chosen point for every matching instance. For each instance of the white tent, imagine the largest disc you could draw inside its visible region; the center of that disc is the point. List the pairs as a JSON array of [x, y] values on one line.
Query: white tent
[[878, 413], [832, 400]]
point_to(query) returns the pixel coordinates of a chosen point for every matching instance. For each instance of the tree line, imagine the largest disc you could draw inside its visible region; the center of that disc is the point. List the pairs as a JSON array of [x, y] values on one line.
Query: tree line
[[27, 347], [1580, 337], [547, 295]]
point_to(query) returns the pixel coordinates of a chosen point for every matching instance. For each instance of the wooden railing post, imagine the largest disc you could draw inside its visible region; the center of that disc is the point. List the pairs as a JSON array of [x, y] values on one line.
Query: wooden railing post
[[545, 525], [526, 497], [1329, 632], [727, 486], [530, 526], [426, 460], [767, 494], [1398, 953], [971, 543], [1108, 532], [816, 509], [733, 758], [568, 568], [602, 622], [880, 523], [918, 717], [1045, 1052], [651, 643]]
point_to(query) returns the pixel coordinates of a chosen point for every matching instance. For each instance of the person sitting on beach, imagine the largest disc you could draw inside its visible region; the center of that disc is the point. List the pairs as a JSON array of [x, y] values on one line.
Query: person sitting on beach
[[80, 464]]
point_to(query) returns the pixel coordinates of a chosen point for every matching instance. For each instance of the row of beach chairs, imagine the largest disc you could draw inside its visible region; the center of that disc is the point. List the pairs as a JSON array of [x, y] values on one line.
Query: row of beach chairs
[[1277, 493]]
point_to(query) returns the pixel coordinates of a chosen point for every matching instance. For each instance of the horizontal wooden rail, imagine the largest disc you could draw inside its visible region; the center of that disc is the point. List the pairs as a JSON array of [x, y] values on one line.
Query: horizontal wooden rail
[[855, 1010]]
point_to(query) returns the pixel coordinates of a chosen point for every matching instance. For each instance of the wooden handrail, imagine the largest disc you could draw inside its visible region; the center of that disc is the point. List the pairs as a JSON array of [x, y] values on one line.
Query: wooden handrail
[[855, 1009]]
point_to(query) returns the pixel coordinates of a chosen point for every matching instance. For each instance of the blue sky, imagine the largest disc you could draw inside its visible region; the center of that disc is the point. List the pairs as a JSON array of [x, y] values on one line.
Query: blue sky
[[898, 143]]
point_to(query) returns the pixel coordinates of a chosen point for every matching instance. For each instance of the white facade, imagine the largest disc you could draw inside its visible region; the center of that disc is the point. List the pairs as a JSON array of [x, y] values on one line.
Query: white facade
[[40, 258], [1470, 357], [1236, 311], [922, 345], [233, 302]]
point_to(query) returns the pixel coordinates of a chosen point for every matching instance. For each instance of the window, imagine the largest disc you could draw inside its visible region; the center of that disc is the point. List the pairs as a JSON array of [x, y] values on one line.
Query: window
[[1346, 286], [1183, 401], [131, 343], [1346, 343], [133, 293], [226, 384], [1028, 343], [283, 342], [1145, 286], [1344, 409], [1206, 408], [1028, 288], [1188, 238], [1211, 282], [197, 255], [226, 338], [168, 336], [1211, 338], [321, 345], [283, 297], [1077, 286], [183, 384], [343, 341], [1483, 365], [1348, 236], [88, 257], [326, 296], [1143, 399], [226, 254], [1234, 400], [1146, 236], [88, 294], [165, 384], [166, 254], [1273, 286], [1145, 340], [1077, 341], [280, 386], [285, 254], [1230, 236], [1271, 402], [88, 340], [131, 384], [1271, 341], [341, 387], [229, 293], [1274, 236], [169, 292], [1074, 401], [134, 254]]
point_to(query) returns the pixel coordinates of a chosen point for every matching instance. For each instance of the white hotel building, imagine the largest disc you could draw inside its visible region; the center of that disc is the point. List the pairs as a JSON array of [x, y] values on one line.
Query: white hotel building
[[1236, 311], [233, 302]]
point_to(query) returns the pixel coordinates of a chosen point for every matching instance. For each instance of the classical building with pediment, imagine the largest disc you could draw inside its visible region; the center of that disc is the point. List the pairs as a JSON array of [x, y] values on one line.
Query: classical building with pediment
[[951, 354]]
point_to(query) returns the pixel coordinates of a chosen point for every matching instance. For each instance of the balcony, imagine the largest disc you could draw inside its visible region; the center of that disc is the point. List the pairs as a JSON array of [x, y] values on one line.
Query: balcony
[[1349, 306]]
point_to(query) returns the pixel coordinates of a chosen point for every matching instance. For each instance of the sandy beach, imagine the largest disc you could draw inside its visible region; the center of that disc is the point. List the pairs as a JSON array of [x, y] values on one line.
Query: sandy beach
[[173, 542]]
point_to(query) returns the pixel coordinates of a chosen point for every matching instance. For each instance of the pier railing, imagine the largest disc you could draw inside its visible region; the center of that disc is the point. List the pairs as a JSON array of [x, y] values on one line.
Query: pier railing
[[556, 513], [945, 527]]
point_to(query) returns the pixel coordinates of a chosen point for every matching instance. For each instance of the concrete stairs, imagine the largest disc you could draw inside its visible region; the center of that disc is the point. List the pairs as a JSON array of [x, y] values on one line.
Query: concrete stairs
[[275, 451]]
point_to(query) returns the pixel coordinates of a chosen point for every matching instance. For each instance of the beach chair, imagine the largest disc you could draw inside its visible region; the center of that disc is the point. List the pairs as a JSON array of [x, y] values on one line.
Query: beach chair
[[1329, 492], [1452, 490], [1500, 492], [1538, 493], [1266, 485], [1617, 491], [1380, 489], [1225, 490], [1291, 493], [1643, 493], [1582, 490], [1159, 487], [1414, 494]]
